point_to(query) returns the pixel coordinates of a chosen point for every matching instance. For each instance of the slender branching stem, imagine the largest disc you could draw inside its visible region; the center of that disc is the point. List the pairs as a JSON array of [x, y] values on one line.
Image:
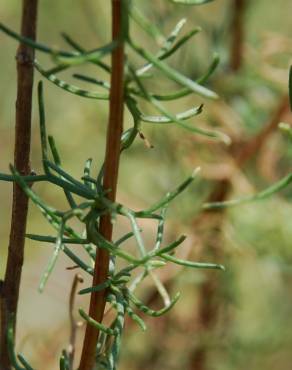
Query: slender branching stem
[[111, 166], [73, 323], [10, 286], [208, 308], [248, 150], [237, 34]]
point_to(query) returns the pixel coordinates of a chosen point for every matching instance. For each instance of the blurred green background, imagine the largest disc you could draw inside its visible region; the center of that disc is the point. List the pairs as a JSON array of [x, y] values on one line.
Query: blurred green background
[[250, 305]]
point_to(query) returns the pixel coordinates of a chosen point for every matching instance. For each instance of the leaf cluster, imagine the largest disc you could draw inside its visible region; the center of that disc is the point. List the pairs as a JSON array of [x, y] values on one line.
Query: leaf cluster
[[86, 196]]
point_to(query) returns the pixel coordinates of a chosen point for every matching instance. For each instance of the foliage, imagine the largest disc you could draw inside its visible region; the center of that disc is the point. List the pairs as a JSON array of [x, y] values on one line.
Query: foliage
[[87, 198]]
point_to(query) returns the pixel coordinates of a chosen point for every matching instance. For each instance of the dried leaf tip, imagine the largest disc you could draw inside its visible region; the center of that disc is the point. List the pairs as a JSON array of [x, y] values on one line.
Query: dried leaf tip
[[196, 172]]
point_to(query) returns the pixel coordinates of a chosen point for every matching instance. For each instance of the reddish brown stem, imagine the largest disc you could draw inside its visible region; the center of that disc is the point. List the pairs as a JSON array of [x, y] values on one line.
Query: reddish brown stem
[[250, 148], [209, 299], [73, 323], [10, 287], [237, 34], [111, 167]]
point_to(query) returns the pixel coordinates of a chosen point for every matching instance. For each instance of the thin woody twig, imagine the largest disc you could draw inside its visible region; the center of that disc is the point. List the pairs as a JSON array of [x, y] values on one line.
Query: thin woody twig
[[10, 287], [237, 34], [111, 166], [250, 148], [73, 323]]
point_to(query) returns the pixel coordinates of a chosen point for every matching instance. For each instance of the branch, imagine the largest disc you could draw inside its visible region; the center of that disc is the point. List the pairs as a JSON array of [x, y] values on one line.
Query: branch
[[111, 166], [73, 323], [10, 289], [237, 34], [255, 144]]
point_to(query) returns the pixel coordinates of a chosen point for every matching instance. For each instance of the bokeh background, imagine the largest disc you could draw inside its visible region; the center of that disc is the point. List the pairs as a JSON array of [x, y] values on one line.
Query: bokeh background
[[234, 320]]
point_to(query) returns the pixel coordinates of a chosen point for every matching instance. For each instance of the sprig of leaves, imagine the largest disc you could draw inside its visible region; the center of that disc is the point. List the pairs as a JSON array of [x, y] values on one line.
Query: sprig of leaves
[[92, 202]]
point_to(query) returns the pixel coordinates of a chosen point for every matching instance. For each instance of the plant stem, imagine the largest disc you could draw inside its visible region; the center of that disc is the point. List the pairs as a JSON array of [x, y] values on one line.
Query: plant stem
[[237, 34], [111, 167], [11, 283], [73, 323], [210, 296], [247, 151]]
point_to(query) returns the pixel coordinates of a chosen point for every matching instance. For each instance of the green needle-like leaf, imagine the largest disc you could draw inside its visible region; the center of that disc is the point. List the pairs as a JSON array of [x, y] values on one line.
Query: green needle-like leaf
[[52, 239], [173, 74], [199, 265], [96, 324], [92, 80], [136, 318], [169, 47], [63, 363], [80, 49], [186, 91], [140, 305], [180, 116], [53, 260], [212, 134], [96, 288], [191, 2], [53, 147], [36, 45], [170, 195], [146, 25], [23, 361], [68, 87], [88, 56], [278, 186]]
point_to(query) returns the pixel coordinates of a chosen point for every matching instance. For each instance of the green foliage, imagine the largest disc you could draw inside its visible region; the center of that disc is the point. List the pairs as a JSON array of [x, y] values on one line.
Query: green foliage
[[86, 197]]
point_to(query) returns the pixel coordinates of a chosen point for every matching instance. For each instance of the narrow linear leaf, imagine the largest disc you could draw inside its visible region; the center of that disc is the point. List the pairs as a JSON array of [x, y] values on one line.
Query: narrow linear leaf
[[183, 40], [96, 288], [53, 147], [171, 246], [200, 265], [92, 80], [23, 361], [88, 56], [170, 195], [180, 116], [68, 87], [80, 49], [68, 178], [52, 239], [160, 229], [147, 25], [96, 324], [173, 74], [53, 260], [36, 45], [197, 130], [136, 318], [191, 2], [124, 238], [30, 193], [28, 179], [186, 91], [141, 306], [278, 186], [42, 125], [63, 363], [169, 47]]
